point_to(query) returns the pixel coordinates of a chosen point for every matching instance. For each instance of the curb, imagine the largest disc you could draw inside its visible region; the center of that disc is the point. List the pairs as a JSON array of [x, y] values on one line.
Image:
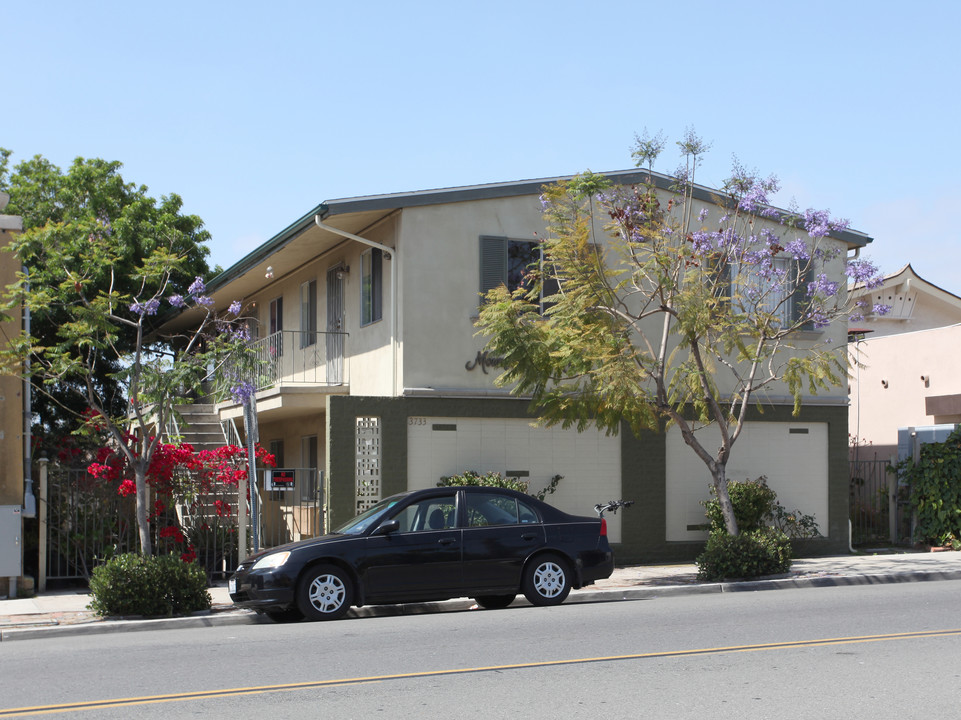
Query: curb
[[240, 616]]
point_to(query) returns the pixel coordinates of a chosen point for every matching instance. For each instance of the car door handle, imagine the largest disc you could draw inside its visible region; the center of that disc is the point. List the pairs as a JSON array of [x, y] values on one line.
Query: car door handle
[[528, 536], [447, 541]]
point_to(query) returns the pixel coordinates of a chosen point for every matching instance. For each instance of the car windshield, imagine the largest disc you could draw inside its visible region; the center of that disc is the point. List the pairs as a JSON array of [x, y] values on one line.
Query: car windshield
[[366, 519]]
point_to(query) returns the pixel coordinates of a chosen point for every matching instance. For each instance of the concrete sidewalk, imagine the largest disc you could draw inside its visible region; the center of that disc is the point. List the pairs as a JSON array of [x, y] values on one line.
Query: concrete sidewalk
[[65, 612]]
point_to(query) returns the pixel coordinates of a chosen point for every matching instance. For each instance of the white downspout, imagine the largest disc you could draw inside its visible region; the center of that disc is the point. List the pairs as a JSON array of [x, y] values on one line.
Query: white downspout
[[389, 255]]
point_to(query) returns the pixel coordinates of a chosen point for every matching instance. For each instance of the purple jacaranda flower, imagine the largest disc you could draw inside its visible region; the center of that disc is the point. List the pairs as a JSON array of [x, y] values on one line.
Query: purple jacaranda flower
[[177, 301], [204, 300], [197, 287], [798, 249], [818, 223], [234, 308], [879, 309], [702, 242], [148, 308], [822, 286], [240, 332], [864, 271], [701, 215], [242, 392], [840, 224]]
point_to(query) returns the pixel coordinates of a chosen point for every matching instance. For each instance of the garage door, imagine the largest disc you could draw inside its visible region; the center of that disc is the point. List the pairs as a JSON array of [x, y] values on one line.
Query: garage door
[[793, 456], [589, 461]]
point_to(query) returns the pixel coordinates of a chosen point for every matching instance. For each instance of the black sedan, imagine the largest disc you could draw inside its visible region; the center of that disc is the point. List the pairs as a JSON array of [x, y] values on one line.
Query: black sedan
[[427, 545]]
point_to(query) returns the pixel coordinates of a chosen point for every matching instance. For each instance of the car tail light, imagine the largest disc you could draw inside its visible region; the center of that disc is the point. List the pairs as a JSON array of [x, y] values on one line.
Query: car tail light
[[603, 527]]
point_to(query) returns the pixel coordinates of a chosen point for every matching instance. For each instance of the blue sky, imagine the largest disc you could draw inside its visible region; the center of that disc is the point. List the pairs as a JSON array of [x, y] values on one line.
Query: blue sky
[[256, 112]]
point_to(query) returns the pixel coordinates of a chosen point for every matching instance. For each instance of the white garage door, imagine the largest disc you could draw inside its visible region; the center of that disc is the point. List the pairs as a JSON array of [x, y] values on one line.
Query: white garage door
[[793, 456], [589, 461]]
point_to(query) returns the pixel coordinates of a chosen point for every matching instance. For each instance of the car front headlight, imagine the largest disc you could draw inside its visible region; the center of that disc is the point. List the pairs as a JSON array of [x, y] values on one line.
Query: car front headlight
[[273, 560]]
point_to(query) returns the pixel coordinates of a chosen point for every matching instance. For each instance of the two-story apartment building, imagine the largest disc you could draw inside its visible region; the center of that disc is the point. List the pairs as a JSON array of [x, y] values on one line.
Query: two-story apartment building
[[365, 311]]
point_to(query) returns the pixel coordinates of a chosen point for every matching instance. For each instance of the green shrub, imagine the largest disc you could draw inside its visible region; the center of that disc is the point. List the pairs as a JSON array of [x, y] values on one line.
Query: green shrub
[[935, 482], [750, 554], [765, 527], [132, 584], [753, 503], [756, 507], [495, 479]]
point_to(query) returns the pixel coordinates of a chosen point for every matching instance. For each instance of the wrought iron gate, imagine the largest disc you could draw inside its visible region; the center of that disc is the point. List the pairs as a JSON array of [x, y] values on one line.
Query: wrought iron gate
[[87, 521], [876, 513]]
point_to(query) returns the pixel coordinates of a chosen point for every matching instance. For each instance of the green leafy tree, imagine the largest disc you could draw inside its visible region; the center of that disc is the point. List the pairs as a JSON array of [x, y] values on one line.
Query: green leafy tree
[[101, 267], [63, 211], [655, 305]]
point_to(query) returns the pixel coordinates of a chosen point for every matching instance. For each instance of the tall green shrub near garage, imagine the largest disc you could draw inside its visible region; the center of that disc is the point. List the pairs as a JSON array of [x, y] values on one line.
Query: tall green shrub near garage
[[758, 549], [164, 585], [935, 487]]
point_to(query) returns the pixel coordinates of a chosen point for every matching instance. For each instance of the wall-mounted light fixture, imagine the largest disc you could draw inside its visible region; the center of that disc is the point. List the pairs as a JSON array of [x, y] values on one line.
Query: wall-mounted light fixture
[[270, 272], [926, 379], [343, 272], [884, 383]]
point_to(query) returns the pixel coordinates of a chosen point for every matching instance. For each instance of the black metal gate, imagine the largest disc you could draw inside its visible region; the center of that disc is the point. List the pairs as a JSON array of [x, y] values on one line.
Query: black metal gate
[[87, 521], [874, 507], [291, 512]]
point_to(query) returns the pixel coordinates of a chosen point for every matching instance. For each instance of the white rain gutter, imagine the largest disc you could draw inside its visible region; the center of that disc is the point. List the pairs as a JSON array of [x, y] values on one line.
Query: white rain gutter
[[388, 255]]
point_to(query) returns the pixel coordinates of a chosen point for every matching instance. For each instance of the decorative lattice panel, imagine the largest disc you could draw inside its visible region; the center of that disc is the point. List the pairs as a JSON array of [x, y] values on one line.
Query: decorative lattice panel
[[367, 463]]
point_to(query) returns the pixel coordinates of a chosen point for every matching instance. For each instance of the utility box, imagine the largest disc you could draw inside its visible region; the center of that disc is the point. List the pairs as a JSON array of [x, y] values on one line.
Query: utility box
[[10, 551]]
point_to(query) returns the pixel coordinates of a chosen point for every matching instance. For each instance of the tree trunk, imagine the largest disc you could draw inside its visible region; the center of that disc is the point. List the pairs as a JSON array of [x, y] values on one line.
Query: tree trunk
[[723, 498], [143, 523]]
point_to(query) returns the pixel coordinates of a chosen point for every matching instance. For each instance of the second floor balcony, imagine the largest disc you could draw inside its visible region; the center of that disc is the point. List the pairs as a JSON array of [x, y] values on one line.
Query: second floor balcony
[[288, 358]]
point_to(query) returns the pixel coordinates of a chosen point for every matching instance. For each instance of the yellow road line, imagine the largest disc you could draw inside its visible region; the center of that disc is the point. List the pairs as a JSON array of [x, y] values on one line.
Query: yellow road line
[[308, 685]]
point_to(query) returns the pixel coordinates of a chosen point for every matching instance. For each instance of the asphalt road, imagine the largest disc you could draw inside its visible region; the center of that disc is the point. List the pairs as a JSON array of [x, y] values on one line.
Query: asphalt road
[[868, 651]]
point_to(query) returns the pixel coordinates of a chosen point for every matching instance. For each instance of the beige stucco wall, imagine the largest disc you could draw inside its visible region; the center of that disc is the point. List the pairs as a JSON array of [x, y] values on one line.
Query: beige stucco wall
[[11, 396], [888, 392], [368, 348], [290, 431], [440, 286]]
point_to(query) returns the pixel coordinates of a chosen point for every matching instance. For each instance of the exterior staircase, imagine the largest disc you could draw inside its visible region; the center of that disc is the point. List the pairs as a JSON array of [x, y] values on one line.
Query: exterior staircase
[[200, 426]]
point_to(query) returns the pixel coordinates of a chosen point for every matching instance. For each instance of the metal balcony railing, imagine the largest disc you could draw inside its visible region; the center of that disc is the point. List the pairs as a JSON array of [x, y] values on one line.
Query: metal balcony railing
[[288, 357]]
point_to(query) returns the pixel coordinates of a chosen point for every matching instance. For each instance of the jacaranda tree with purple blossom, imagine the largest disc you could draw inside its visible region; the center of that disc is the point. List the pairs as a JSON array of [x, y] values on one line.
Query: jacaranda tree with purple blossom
[[655, 306], [107, 309]]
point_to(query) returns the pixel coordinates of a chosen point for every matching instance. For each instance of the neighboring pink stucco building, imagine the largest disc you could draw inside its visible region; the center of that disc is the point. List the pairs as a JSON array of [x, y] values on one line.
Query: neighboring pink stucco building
[[907, 371]]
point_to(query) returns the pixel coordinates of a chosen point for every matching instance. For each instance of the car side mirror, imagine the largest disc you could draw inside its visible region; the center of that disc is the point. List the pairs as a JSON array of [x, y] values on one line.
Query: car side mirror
[[386, 528]]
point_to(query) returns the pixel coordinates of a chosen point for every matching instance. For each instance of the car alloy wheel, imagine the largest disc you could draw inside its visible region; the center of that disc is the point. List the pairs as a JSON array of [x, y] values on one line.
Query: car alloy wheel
[[325, 593], [546, 581]]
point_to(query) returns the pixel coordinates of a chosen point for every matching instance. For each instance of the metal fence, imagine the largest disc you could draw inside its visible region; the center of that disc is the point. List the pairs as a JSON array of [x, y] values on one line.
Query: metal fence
[[876, 510], [87, 522], [291, 511]]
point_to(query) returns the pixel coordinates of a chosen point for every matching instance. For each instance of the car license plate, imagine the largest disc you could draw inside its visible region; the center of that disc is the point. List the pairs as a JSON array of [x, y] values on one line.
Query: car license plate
[[232, 586]]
